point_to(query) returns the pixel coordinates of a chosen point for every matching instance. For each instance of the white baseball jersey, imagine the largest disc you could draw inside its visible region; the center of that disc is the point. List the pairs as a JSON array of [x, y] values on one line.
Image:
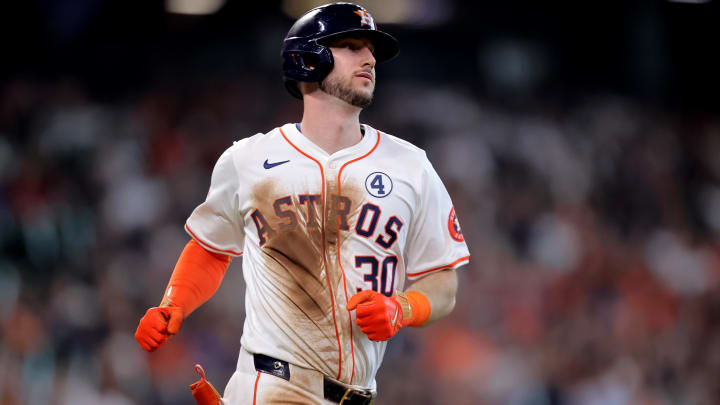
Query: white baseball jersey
[[314, 229]]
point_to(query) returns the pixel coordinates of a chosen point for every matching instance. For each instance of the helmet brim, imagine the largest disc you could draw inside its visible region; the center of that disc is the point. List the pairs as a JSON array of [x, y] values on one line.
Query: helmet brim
[[386, 46]]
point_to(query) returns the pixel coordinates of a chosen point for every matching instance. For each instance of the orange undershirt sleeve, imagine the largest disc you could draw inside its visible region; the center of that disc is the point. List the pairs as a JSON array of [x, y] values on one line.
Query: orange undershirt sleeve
[[196, 277]]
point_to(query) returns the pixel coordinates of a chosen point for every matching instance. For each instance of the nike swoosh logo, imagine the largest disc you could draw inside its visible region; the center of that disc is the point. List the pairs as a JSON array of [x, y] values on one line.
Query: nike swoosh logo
[[397, 312], [271, 165]]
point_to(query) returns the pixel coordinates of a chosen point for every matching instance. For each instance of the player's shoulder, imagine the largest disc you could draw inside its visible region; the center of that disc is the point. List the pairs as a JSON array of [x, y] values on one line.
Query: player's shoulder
[[399, 147], [254, 140], [252, 144]]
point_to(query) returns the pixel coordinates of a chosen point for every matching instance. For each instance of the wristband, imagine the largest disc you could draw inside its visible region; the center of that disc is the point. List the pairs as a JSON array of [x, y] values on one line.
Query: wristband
[[416, 305]]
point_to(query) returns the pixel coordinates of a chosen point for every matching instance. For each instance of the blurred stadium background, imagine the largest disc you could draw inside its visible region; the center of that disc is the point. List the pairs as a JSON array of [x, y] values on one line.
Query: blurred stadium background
[[580, 143]]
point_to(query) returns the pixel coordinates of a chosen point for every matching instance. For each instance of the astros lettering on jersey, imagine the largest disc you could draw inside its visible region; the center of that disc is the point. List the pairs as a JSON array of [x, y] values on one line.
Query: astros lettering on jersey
[[314, 229]]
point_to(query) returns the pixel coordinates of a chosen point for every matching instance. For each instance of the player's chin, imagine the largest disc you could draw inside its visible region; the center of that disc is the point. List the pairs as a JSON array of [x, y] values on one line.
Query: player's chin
[[368, 87], [362, 101], [363, 84], [359, 96], [366, 91]]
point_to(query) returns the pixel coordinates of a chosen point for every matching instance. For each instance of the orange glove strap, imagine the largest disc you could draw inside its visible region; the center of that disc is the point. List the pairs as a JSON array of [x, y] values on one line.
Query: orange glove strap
[[420, 308], [197, 275]]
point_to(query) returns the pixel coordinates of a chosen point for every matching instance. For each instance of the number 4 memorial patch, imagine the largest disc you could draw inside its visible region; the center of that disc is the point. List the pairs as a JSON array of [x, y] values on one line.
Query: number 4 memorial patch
[[454, 226], [378, 184]]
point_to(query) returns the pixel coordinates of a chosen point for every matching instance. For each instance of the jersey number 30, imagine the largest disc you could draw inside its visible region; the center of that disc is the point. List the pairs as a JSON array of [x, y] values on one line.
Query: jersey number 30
[[380, 277]]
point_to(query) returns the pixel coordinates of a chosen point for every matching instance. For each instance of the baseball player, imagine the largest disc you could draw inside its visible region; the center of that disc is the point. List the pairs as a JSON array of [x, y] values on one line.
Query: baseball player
[[330, 217]]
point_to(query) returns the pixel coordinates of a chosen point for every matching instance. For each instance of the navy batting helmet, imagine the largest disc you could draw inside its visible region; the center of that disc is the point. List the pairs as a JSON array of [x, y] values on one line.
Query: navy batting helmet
[[306, 57]]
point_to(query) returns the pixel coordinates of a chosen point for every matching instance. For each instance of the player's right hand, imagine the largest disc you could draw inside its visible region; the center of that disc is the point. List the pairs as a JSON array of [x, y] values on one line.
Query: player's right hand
[[378, 316], [157, 326]]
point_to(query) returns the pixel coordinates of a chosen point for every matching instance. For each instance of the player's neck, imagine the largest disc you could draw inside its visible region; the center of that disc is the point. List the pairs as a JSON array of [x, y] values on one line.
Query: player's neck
[[332, 125]]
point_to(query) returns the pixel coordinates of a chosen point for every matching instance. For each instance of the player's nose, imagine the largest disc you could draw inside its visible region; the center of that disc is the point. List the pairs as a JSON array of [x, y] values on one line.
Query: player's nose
[[367, 57]]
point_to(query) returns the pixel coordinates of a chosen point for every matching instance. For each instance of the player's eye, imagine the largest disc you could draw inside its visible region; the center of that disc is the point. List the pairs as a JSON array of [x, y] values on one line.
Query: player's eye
[[355, 46]]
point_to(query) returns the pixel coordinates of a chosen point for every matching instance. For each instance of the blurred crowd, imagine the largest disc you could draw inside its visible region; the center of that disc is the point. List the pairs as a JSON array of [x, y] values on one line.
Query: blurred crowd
[[593, 225]]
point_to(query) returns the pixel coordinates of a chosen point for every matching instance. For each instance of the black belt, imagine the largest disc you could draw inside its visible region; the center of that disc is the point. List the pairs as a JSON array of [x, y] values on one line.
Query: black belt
[[332, 390]]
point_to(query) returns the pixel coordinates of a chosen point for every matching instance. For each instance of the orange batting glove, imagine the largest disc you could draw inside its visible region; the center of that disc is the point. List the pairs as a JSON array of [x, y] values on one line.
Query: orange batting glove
[[378, 316], [204, 392], [157, 326]]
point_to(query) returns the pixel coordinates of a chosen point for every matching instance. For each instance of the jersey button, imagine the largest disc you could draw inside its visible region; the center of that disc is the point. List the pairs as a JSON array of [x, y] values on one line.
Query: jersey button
[[333, 165]]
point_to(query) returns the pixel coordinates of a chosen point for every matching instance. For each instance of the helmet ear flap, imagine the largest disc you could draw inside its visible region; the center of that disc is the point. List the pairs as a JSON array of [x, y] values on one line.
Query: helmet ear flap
[[322, 63], [306, 66], [306, 61], [302, 61]]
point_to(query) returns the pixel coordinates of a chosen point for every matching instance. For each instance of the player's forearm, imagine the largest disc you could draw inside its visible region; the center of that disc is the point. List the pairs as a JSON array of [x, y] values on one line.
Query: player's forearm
[[196, 277], [440, 289]]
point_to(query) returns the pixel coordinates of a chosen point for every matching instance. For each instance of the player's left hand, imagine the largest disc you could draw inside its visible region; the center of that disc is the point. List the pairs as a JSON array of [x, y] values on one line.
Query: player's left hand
[[378, 316]]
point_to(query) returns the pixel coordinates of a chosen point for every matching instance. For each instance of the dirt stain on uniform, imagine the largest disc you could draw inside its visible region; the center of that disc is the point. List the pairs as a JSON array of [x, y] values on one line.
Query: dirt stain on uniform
[[294, 256], [300, 259]]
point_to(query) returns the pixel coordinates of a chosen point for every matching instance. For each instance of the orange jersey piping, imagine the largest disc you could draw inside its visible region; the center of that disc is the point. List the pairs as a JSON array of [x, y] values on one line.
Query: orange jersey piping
[[447, 266]]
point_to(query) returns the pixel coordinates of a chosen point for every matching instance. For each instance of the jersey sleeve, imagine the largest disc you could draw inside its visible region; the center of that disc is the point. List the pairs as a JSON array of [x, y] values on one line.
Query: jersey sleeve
[[216, 224], [435, 241]]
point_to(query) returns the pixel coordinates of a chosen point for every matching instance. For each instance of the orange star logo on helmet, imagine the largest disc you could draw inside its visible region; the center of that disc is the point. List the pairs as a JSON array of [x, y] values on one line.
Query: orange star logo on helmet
[[366, 18]]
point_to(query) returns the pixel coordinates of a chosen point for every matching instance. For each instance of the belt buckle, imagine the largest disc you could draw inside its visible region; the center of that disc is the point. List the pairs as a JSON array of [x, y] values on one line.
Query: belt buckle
[[349, 393]]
